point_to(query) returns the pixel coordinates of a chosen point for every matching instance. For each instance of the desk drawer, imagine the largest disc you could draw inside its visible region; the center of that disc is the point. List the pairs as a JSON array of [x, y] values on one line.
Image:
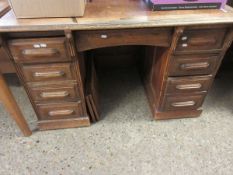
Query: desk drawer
[[47, 72], [87, 40], [64, 91], [59, 111], [193, 65], [183, 102], [39, 50], [201, 40], [189, 84]]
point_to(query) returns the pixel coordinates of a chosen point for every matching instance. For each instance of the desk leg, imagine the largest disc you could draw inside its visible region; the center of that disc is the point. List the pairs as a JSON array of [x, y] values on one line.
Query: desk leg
[[9, 102]]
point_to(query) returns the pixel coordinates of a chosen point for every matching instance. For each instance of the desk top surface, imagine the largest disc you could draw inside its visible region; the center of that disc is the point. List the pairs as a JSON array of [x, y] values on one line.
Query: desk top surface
[[105, 14]]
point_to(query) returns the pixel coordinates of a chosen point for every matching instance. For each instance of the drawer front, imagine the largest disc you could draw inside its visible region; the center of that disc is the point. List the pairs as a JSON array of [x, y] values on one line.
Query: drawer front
[[188, 102], [48, 72], [39, 50], [87, 40], [59, 111], [64, 91], [201, 40], [188, 84], [193, 65]]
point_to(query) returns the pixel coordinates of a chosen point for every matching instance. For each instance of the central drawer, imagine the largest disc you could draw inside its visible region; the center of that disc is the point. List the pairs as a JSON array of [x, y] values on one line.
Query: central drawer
[[39, 50], [47, 72], [86, 40], [59, 111], [54, 92]]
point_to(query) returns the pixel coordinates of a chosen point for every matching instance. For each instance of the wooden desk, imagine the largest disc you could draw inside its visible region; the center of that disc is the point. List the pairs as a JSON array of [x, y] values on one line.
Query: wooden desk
[[181, 55]]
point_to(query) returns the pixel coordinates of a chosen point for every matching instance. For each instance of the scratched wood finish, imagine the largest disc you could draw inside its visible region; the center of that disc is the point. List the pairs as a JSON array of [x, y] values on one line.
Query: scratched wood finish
[[182, 103], [50, 74], [39, 50], [53, 92], [194, 64], [87, 40], [105, 14], [201, 40], [188, 84], [168, 70], [59, 111]]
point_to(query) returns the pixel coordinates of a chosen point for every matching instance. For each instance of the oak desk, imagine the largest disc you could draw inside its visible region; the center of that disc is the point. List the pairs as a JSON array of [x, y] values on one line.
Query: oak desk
[[181, 53]]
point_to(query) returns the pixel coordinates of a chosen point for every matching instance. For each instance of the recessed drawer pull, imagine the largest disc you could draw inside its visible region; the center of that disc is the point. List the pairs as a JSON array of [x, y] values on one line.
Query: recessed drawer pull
[[202, 41], [54, 94], [191, 66], [49, 74], [184, 104], [61, 113], [189, 86], [41, 52]]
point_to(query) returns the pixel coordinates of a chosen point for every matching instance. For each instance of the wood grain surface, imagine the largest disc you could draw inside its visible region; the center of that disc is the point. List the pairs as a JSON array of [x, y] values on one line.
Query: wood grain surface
[[104, 14]]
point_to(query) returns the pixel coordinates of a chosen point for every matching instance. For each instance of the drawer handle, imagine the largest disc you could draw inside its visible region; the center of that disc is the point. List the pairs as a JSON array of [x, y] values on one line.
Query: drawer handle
[[49, 74], [189, 86], [183, 104], [60, 94], [40, 52], [61, 113], [202, 41], [201, 65]]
